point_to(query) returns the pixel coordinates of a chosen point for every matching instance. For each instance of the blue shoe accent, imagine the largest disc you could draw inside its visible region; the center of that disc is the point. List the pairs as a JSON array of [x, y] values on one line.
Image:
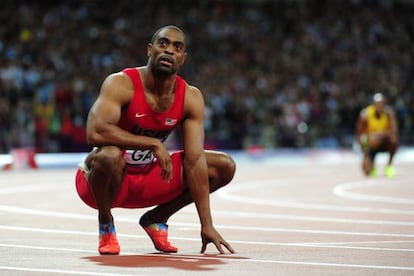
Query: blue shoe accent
[[106, 228]]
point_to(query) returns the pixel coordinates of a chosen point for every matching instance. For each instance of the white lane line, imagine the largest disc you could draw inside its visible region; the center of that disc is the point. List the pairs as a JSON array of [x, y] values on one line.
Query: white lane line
[[266, 243], [357, 247], [63, 232], [229, 193], [228, 227], [18, 189], [316, 245], [347, 245], [360, 242], [342, 190], [227, 258], [9, 245], [314, 231], [27, 211], [267, 216], [233, 214], [61, 271]]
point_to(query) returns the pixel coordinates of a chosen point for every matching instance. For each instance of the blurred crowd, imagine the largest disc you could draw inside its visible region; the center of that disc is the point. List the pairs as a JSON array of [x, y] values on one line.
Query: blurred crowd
[[273, 73]]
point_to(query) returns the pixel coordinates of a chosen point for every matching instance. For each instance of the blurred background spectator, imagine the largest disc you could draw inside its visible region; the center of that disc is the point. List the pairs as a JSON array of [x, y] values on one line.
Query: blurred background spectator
[[274, 73]]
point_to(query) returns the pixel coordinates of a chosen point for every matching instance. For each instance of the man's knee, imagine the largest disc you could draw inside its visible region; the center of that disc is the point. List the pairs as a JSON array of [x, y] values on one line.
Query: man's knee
[[226, 168], [393, 146], [107, 159], [367, 165]]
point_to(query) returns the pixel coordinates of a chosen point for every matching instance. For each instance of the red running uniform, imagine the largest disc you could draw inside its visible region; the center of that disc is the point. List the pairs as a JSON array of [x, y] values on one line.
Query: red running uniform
[[143, 186]]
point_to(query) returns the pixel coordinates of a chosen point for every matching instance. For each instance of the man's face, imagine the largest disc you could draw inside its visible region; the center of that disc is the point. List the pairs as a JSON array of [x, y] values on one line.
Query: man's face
[[167, 53]]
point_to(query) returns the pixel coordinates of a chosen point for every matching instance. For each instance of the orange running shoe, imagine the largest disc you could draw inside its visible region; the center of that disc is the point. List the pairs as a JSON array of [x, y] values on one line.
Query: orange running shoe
[[158, 232], [108, 243]]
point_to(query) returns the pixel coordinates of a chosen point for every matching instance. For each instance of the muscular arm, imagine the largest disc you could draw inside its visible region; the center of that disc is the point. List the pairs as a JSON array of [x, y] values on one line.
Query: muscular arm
[[360, 127], [393, 126], [194, 163], [102, 129], [195, 168]]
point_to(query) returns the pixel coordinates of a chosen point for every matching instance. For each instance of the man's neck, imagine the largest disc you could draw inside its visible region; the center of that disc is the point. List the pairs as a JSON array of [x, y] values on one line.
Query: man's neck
[[158, 84]]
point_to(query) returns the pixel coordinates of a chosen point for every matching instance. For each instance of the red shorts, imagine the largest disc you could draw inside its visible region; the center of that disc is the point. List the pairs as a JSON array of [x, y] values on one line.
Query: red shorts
[[140, 190]]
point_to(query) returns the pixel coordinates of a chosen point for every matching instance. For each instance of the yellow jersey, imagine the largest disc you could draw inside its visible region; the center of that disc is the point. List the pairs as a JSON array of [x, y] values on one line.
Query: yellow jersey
[[376, 124]]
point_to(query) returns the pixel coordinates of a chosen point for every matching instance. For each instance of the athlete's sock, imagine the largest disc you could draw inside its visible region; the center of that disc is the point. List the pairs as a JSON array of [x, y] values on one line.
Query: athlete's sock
[[108, 243], [105, 228]]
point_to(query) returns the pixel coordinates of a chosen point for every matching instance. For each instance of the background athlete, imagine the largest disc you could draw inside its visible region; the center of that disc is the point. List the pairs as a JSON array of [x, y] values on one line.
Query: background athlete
[[376, 132], [130, 167]]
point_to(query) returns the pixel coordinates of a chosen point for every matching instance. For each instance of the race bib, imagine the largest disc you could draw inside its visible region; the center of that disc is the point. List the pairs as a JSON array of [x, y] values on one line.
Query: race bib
[[138, 157]]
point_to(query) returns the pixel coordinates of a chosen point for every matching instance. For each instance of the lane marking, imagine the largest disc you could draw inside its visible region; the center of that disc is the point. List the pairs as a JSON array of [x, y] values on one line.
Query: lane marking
[[227, 258], [316, 245], [342, 190], [90, 217], [233, 214], [27, 189], [228, 227], [87, 217], [47, 248], [61, 271], [358, 247], [267, 216], [229, 193], [289, 230], [361, 242], [27, 211]]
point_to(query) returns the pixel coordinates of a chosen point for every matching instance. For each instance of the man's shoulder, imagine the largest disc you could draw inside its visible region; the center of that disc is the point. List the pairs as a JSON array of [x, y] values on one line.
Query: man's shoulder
[[194, 101], [118, 85], [365, 111], [117, 76], [187, 86]]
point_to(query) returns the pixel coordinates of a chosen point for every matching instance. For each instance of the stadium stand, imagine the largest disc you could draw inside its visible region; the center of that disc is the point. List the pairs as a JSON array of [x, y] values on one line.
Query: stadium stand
[[274, 73]]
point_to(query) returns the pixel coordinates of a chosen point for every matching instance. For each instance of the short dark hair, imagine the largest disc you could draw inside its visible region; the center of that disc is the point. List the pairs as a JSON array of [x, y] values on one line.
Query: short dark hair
[[157, 32]]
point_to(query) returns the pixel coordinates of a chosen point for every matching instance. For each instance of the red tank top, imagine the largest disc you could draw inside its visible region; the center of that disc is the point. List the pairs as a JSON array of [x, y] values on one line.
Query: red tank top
[[138, 117]]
